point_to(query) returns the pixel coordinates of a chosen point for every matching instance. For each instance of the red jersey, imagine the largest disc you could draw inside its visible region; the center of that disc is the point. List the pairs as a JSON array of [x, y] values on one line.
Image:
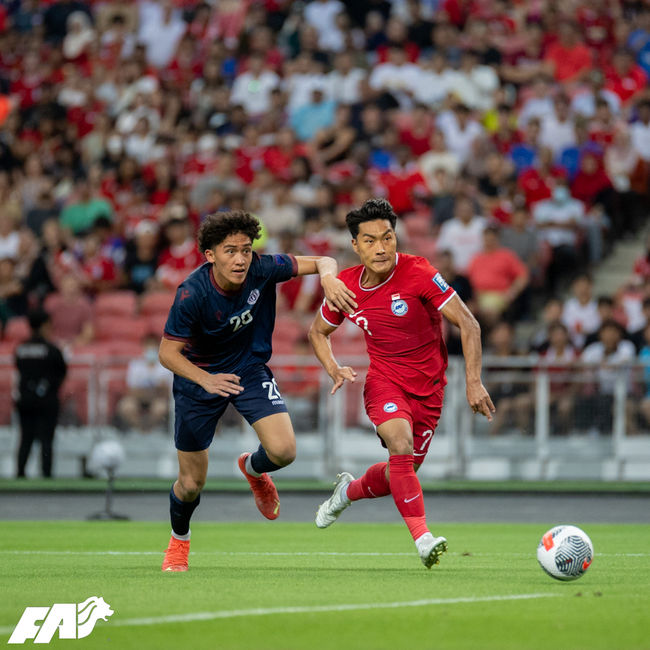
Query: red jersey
[[401, 321]]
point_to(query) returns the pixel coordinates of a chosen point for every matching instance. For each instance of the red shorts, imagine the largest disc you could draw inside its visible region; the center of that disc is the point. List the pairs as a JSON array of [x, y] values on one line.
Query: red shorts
[[385, 401]]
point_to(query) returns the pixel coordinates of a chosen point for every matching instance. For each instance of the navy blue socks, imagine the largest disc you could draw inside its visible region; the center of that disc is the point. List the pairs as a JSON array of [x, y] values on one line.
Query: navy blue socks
[[180, 513], [261, 463]]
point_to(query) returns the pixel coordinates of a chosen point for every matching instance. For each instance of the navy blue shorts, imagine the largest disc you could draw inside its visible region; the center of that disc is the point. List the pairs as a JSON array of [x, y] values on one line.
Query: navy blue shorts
[[197, 411]]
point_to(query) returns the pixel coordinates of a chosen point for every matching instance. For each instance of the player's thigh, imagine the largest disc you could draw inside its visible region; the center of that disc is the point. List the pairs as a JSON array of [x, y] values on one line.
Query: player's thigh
[[263, 407], [277, 437], [426, 415], [397, 435], [195, 421], [192, 469]]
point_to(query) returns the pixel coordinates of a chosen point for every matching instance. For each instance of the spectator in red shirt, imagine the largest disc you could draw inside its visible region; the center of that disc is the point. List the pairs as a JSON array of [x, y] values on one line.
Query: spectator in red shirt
[[99, 271], [624, 77], [570, 57], [416, 134], [182, 255], [279, 156], [498, 278], [597, 22], [591, 182]]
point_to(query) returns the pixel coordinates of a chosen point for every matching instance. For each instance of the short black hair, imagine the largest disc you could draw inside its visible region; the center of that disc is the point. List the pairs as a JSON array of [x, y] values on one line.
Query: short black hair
[[37, 319], [371, 210], [219, 225]]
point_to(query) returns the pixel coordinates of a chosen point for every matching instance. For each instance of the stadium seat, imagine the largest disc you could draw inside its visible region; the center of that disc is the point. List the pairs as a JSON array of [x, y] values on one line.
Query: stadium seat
[[74, 394], [116, 303], [156, 323], [118, 328], [7, 349], [156, 302], [6, 396], [113, 350], [17, 329], [417, 225], [288, 329]]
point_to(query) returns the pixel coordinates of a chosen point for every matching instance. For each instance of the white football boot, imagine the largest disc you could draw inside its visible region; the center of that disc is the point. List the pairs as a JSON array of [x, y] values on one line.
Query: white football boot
[[329, 510], [430, 549]]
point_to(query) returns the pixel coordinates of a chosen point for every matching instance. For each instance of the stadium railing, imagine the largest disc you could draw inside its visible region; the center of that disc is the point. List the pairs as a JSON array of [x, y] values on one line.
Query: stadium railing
[[554, 422]]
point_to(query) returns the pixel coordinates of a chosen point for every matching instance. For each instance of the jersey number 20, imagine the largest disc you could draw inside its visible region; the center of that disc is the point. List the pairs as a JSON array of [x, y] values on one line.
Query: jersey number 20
[[244, 319], [272, 387]]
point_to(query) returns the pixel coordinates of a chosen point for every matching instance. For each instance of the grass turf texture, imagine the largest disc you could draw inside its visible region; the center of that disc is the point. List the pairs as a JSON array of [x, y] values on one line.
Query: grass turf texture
[[276, 565]]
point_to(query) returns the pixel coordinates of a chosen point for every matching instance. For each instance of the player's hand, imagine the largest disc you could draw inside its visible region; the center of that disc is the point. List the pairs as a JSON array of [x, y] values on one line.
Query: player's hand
[[222, 384], [341, 375], [480, 400], [337, 295]]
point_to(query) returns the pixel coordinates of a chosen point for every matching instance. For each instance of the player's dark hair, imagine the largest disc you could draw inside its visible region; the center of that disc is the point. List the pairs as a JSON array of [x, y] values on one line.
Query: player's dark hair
[[219, 225], [371, 210]]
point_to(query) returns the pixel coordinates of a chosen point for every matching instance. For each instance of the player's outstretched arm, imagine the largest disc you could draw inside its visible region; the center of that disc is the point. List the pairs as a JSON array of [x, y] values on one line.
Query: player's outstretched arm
[[456, 312], [338, 296], [169, 355], [319, 337]]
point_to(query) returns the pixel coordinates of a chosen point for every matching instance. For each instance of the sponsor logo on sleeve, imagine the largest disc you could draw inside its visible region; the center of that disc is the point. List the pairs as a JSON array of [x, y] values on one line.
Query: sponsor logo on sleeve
[[439, 281], [390, 407], [253, 296]]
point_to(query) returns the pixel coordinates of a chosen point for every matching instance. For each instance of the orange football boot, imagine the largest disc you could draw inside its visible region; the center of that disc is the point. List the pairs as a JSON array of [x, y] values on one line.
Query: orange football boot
[[176, 555], [266, 496]]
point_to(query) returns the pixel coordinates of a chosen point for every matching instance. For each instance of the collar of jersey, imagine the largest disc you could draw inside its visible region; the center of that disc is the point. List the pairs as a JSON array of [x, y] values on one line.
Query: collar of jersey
[[381, 284]]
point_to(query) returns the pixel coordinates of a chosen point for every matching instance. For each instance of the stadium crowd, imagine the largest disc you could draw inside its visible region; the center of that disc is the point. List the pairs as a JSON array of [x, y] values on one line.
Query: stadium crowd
[[512, 139]]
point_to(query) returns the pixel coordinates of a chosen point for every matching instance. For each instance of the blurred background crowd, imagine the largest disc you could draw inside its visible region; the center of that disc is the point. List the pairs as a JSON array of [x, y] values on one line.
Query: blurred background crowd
[[512, 139]]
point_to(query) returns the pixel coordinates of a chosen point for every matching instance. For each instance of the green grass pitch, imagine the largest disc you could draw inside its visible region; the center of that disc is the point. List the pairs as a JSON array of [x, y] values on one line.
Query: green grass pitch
[[353, 586]]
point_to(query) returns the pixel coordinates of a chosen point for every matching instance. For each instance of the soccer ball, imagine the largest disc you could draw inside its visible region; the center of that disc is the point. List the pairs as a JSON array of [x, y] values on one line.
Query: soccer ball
[[565, 552]]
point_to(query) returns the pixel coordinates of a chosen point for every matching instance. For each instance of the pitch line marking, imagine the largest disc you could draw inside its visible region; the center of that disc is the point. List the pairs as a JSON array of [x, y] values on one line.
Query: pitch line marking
[[314, 609], [286, 553]]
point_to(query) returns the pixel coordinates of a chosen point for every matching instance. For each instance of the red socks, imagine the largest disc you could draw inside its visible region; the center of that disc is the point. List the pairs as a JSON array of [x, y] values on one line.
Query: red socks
[[407, 493], [404, 486], [371, 485]]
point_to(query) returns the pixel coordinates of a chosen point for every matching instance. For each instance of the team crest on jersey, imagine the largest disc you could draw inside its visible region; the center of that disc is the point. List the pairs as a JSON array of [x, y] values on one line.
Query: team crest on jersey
[[390, 407], [439, 281], [399, 307], [253, 296]]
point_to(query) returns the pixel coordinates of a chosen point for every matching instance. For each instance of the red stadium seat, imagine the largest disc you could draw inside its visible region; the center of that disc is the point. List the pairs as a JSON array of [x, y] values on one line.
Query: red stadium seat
[[17, 329], [118, 328], [6, 397], [417, 225], [156, 323], [7, 348], [116, 303], [288, 329], [156, 302]]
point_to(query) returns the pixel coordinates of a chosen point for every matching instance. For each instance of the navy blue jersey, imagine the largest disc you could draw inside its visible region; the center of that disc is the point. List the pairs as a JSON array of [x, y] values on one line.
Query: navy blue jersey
[[226, 332]]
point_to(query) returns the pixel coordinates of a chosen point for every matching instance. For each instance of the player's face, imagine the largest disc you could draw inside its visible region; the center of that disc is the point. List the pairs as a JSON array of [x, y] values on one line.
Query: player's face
[[231, 260], [376, 245]]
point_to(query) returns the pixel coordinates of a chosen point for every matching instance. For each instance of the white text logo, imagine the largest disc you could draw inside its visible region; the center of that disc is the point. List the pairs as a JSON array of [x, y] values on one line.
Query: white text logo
[[73, 621]]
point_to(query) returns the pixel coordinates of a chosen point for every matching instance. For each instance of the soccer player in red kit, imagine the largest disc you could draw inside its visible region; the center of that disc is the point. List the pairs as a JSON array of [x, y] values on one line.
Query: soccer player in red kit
[[401, 300]]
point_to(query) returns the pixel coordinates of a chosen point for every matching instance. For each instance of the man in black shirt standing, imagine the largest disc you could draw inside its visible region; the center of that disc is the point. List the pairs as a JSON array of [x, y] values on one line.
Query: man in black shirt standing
[[41, 370]]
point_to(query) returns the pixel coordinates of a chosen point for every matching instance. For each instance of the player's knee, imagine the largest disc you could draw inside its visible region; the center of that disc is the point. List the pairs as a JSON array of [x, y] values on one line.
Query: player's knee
[[190, 487], [400, 447], [284, 455]]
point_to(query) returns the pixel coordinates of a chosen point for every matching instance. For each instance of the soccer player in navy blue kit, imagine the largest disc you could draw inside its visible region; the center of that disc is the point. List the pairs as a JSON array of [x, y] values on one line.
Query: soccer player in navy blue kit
[[217, 341]]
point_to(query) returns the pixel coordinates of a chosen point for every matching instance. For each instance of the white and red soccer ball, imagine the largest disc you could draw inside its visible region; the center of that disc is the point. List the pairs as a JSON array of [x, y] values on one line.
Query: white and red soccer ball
[[565, 552]]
